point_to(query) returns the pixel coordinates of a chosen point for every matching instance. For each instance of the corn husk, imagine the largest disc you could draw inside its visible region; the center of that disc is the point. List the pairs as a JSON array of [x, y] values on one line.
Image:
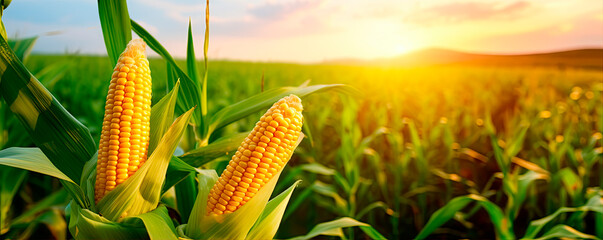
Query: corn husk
[[141, 192], [130, 210], [257, 219]]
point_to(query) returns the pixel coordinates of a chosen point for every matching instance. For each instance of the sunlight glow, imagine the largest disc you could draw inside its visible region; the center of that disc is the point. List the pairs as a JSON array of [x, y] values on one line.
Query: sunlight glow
[[317, 30]]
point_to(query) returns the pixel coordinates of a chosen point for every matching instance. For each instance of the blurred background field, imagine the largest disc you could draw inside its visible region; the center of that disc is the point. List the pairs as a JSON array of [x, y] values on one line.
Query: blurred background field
[[416, 135], [464, 120]]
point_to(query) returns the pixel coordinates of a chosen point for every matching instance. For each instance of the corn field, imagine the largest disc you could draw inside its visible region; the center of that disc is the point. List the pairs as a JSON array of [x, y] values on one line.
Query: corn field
[[123, 146]]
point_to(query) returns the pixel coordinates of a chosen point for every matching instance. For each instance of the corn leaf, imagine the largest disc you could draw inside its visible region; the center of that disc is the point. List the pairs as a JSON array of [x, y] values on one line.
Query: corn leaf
[[264, 100], [297, 201], [318, 169], [115, 23], [267, 224], [565, 232], [371, 232], [64, 140], [89, 176], [172, 77], [189, 97], [226, 226], [516, 143], [141, 192], [186, 191], [193, 72], [191, 60], [503, 227], [307, 131], [594, 204], [332, 228], [571, 181], [31, 159], [10, 181], [85, 224], [222, 147], [162, 116], [158, 224], [330, 191], [206, 179], [503, 163], [518, 187], [51, 74], [22, 47], [2, 28], [370, 207], [206, 69], [51, 220], [58, 198], [176, 172], [54, 222]]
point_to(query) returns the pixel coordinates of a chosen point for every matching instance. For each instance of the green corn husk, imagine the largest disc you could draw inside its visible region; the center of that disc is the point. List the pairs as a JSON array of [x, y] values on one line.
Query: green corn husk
[[85, 224], [257, 219], [141, 192], [60, 155], [136, 198], [139, 195]]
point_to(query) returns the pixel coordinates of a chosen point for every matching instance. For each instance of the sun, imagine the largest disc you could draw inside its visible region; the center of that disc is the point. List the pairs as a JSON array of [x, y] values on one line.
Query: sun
[[404, 48]]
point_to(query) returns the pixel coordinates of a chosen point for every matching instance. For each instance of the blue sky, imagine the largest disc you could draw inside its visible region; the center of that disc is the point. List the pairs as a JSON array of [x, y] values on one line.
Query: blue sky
[[316, 30]]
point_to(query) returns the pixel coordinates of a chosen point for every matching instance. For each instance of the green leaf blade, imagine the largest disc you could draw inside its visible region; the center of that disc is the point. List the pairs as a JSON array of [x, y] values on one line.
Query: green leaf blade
[[327, 228], [10, 181], [158, 224], [162, 115], [504, 227], [66, 142], [268, 223], [222, 147], [189, 95], [31, 159], [22, 47], [264, 100], [115, 23]]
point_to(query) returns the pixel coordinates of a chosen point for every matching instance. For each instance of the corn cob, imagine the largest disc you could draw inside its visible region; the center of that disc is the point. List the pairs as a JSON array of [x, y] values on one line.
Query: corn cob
[[125, 131], [261, 155]]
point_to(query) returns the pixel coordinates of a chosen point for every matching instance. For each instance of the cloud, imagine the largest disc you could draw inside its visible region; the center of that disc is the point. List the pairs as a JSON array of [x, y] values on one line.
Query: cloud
[[580, 32], [468, 11], [275, 19], [179, 12], [282, 10]]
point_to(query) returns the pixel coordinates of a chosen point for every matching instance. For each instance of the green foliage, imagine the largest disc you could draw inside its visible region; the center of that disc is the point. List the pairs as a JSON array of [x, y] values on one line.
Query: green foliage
[[334, 228], [461, 147], [65, 141], [417, 148], [257, 219], [10, 181], [115, 23]]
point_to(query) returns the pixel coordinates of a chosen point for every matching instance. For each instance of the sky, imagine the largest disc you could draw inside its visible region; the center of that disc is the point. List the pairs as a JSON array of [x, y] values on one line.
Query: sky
[[317, 30]]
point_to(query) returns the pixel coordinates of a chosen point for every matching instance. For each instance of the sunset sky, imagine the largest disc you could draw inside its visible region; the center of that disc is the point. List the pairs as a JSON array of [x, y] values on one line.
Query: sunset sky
[[317, 30]]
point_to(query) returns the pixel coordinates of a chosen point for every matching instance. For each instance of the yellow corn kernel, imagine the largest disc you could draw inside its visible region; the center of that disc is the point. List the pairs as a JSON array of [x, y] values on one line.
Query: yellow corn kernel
[[261, 155], [125, 131]]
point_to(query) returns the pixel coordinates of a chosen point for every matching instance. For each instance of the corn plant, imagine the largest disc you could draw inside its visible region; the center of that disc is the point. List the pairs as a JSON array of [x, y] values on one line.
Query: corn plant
[[106, 205], [421, 146], [515, 187]]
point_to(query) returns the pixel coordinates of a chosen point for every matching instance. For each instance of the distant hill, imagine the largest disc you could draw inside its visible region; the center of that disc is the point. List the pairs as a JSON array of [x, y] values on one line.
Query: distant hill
[[582, 58]]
